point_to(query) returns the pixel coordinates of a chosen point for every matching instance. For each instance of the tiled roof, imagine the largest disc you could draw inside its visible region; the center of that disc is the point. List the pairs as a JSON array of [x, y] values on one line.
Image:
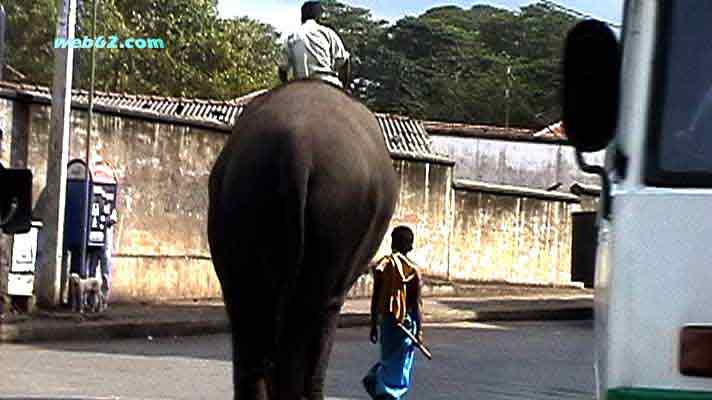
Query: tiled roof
[[549, 134], [405, 137], [218, 111]]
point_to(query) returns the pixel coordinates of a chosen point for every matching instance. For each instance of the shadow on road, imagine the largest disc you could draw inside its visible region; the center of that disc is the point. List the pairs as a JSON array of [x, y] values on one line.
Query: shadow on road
[[213, 347], [218, 347]]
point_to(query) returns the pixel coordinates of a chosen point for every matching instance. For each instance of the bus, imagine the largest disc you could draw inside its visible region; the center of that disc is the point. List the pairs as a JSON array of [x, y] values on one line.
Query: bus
[[644, 94]]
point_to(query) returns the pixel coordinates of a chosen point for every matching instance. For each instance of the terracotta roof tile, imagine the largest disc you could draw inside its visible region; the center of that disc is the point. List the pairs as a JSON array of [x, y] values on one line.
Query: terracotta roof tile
[[553, 133]]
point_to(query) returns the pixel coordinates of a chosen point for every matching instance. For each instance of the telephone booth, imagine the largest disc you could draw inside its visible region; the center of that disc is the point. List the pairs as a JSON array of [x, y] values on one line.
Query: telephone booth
[[102, 205], [75, 213]]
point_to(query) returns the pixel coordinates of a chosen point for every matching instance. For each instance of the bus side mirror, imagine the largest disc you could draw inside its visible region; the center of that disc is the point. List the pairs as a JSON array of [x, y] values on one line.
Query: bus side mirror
[[15, 200], [592, 70]]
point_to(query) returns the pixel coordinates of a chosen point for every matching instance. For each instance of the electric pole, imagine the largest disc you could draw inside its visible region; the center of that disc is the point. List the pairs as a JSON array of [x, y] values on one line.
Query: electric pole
[[50, 272], [3, 22], [508, 95]]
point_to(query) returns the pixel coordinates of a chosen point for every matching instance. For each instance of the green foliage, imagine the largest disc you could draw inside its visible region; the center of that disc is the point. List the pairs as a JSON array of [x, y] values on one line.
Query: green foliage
[[447, 64], [362, 36], [29, 37], [204, 56], [451, 64]]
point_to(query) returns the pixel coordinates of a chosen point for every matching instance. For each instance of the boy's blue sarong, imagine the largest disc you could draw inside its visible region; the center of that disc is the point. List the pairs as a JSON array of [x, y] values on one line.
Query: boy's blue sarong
[[390, 377]]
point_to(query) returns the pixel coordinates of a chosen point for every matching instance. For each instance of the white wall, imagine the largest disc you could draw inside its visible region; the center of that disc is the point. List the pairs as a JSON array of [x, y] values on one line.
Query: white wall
[[529, 164]]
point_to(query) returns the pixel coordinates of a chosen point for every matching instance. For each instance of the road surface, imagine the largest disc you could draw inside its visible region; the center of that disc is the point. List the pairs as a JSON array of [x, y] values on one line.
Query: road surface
[[499, 361]]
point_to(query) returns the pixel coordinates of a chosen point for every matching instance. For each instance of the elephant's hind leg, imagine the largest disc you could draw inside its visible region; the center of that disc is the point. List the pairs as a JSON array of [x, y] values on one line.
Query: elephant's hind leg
[[254, 388], [255, 299], [319, 352], [253, 348]]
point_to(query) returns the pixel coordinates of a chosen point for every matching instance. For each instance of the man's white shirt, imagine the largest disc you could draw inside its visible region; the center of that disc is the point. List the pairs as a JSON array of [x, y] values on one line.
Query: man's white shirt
[[315, 51]]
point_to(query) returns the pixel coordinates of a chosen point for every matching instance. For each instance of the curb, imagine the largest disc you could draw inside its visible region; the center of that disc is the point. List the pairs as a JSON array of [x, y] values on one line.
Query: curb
[[111, 330], [534, 314], [558, 314], [150, 329]]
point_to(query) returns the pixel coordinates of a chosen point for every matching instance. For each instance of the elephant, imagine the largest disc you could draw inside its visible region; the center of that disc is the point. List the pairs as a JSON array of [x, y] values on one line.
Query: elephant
[[300, 199]]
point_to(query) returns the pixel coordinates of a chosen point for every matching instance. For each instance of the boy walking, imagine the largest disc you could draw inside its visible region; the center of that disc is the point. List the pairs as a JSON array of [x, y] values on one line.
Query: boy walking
[[396, 300]]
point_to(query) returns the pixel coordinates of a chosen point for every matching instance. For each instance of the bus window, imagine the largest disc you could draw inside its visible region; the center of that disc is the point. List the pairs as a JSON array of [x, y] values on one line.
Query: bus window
[[681, 129]]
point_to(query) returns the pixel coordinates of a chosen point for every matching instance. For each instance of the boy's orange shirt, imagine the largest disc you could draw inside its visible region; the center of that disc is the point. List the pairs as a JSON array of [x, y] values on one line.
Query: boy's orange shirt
[[396, 273]]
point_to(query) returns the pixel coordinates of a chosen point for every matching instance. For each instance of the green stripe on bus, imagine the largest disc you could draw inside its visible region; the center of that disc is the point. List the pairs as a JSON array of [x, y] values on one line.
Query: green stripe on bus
[[655, 394]]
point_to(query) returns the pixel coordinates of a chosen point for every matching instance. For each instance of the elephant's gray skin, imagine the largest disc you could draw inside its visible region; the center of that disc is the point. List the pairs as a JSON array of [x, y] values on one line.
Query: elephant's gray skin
[[300, 200]]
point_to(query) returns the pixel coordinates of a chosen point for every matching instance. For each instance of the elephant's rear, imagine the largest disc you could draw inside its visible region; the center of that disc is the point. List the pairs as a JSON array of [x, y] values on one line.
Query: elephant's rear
[[300, 199]]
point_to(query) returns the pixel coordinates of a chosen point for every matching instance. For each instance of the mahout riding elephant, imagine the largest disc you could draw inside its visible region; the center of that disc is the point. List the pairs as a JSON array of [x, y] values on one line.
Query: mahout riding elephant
[[300, 200]]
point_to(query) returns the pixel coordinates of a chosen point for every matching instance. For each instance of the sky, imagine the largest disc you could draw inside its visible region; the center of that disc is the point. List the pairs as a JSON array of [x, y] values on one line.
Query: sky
[[285, 14]]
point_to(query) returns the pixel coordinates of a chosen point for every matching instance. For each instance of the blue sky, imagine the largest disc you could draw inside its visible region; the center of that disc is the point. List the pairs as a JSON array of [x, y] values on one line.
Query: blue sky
[[284, 14]]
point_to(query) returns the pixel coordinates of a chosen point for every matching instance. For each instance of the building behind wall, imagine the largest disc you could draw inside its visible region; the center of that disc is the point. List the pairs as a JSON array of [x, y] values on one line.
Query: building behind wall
[[519, 194], [515, 157]]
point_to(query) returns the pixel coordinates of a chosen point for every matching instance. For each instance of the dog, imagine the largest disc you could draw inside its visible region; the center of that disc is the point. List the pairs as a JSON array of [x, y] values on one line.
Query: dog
[[85, 294]]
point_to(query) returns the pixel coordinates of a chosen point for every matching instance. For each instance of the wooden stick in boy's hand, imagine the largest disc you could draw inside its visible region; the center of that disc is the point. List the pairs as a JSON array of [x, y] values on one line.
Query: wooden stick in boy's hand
[[417, 342]]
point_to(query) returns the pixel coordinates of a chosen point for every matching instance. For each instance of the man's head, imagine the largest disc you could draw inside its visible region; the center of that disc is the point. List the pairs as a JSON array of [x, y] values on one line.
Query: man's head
[[402, 239], [311, 10]]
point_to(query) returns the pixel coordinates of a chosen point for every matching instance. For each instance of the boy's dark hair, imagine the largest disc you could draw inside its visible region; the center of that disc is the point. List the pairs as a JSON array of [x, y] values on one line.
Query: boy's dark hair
[[311, 10], [402, 239]]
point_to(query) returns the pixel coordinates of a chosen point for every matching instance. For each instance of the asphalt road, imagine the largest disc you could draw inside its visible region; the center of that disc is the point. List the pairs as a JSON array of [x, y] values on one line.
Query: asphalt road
[[503, 361]]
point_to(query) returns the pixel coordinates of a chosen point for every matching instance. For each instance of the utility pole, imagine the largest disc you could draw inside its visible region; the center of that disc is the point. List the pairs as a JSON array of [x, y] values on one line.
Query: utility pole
[[3, 23], [508, 95], [57, 158]]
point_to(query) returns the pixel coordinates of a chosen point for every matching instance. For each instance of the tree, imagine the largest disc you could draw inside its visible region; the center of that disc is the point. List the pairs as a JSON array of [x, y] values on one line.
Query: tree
[[31, 50], [448, 64], [452, 64], [204, 56], [362, 36]]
